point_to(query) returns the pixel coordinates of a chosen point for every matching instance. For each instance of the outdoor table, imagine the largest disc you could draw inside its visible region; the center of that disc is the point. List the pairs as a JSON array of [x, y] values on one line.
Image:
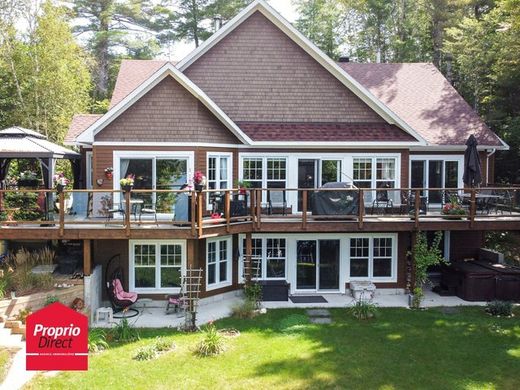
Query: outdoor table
[[134, 205]]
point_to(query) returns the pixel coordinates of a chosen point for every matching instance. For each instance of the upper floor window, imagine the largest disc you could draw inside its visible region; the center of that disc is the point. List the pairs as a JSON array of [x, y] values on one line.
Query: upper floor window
[[374, 172], [219, 171], [265, 172]]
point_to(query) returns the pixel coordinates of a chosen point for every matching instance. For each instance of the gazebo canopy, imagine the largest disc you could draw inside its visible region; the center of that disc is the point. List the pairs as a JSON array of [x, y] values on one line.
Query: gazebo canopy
[[17, 142]]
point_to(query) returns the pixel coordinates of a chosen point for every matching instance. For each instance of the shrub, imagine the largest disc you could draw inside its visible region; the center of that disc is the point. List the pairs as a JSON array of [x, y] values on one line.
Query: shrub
[[253, 292], [5, 284], [97, 340], [23, 314], [500, 308], [124, 332], [148, 352], [212, 342], [244, 310], [163, 345], [418, 296], [50, 299], [363, 309]]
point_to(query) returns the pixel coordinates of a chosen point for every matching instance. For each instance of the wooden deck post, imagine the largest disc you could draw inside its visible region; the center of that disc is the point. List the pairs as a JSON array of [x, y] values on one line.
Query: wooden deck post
[[252, 204], [361, 208], [87, 257], [227, 209], [304, 209], [417, 207], [472, 207], [258, 197], [199, 213], [127, 212], [248, 264], [193, 214], [61, 200]]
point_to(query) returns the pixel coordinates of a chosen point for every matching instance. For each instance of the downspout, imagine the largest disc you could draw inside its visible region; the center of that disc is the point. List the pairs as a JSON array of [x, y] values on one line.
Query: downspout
[[487, 164]]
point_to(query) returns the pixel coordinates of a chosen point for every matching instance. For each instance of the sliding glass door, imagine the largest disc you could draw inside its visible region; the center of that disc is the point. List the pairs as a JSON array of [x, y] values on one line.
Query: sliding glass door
[[156, 173], [434, 173], [317, 264]]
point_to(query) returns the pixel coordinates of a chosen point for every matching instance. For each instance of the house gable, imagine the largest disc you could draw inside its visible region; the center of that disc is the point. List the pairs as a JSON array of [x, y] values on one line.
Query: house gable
[[257, 73], [167, 113]]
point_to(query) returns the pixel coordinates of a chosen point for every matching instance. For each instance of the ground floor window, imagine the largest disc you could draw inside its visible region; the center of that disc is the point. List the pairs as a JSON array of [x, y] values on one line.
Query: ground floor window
[[268, 257], [156, 265], [371, 257], [218, 262]]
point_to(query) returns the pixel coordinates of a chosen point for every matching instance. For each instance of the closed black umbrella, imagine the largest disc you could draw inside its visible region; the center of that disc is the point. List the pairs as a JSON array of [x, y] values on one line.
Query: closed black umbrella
[[472, 170]]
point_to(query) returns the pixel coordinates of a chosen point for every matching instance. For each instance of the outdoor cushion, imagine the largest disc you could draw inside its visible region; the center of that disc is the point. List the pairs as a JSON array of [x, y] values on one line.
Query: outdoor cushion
[[121, 294]]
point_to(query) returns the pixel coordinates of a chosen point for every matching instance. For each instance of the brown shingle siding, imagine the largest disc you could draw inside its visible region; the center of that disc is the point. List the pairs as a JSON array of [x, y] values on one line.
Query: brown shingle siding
[[169, 113], [257, 73]]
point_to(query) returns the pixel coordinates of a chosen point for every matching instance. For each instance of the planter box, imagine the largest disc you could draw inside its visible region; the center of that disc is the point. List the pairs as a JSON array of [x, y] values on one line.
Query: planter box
[[275, 290]]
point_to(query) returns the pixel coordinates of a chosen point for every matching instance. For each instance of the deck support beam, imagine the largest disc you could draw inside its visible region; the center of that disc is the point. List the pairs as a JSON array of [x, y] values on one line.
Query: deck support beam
[[87, 257]]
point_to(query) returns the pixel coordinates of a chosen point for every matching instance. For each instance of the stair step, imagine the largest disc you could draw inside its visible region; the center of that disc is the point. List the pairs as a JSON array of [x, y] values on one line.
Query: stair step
[[13, 324], [18, 330]]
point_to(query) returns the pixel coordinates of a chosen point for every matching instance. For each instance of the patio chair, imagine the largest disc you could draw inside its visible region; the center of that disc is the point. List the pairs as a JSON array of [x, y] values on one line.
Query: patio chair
[[276, 199], [382, 202], [148, 211], [504, 202], [120, 299]]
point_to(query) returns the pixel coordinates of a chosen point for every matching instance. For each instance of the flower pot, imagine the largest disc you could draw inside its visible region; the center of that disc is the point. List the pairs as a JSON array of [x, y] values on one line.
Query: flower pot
[[60, 188], [109, 175], [127, 188], [198, 187], [242, 191], [454, 216]]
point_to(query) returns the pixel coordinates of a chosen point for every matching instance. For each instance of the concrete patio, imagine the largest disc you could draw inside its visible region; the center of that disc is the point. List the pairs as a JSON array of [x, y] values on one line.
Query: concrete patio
[[211, 309]]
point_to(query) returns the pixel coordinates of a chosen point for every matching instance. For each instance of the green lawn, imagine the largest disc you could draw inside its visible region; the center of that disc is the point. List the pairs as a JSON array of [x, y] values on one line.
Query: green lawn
[[400, 349], [5, 362]]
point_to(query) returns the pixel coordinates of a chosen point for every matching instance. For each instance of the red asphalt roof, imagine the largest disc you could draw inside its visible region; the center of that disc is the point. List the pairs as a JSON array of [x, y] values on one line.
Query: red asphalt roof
[[416, 92], [79, 123], [133, 73], [325, 132], [420, 95]]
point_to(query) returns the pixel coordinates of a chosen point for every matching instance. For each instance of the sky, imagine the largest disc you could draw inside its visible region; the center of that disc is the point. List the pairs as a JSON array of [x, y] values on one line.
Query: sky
[[181, 49]]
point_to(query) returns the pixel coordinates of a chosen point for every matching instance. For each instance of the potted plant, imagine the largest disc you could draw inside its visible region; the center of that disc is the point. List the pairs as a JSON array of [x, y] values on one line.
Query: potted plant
[[453, 209], [28, 179], [60, 182], [199, 181], [127, 183], [424, 256], [109, 173], [243, 185]]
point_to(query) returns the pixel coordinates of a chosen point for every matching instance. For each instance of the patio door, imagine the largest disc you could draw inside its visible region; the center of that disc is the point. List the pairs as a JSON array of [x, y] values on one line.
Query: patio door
[[317, 265], [434, 173], [313, 173], [156, 173]]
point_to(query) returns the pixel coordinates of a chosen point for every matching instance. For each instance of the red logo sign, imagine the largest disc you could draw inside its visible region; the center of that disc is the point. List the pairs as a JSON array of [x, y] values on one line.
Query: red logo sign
[[57, 339]]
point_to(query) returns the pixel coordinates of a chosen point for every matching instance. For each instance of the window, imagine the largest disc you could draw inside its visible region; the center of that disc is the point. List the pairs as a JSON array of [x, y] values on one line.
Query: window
[[375, 172], [219, 175], [371, 257], [153, 171], [218, 261], [436, 172], [156, 265], [90, 170], [265, 172], [268, 256]]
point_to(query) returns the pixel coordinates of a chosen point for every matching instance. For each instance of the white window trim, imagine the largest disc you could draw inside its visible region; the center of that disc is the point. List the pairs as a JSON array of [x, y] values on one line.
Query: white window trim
[[131, 272], [229, 156], [89, 167], [146, 154], [292, 167], [371, 237], [229, 268], [344, 266]]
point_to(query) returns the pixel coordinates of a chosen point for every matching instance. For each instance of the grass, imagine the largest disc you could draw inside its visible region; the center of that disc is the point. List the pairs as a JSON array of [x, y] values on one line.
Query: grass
[[400, 349], [6, 356]]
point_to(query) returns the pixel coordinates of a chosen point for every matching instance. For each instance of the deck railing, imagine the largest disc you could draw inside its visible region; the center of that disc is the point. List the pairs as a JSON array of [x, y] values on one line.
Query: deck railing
[[196, 211]]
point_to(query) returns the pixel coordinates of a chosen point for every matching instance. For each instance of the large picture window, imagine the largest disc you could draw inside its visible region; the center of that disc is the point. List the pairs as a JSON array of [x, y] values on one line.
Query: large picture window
[[218, 262], [156, 266], [433, 172], [150, 171], [371, 257]]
